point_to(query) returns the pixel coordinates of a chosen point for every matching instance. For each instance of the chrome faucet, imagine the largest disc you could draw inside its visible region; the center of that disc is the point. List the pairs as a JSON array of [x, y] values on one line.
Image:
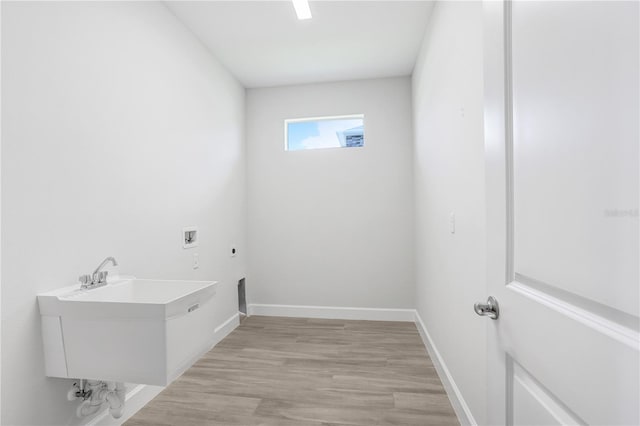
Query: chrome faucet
[[99, 277]]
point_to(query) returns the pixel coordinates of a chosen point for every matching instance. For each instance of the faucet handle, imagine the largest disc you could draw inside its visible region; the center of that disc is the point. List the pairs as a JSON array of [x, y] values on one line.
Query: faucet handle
[[102, 276], [85, 279]]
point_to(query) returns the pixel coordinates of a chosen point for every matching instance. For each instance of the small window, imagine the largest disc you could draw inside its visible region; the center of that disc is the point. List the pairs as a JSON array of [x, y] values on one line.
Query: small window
[[326, 132]]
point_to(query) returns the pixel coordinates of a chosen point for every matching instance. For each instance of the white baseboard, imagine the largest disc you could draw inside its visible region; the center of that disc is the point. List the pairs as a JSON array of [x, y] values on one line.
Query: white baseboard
[[140, 395], [226, 327], [455, 396], [331, 312]]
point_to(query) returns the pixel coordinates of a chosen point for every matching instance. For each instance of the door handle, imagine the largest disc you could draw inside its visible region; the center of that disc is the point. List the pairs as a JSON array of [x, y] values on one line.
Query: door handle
[[489, 309]]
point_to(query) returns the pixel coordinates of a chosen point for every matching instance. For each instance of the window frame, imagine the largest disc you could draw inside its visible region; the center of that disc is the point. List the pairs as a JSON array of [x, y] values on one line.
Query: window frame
[[322, 118]]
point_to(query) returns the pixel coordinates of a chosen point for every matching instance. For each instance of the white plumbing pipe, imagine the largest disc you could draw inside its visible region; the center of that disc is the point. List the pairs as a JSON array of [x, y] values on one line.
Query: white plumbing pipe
[[115, 397], [101, 392], [72, 392], [88, 408], [93, 404]]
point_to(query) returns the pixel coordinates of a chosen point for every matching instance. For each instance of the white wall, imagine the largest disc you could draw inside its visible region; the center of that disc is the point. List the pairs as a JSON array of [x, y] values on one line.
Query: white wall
[[331, 227], [119, 129], [449, 177]]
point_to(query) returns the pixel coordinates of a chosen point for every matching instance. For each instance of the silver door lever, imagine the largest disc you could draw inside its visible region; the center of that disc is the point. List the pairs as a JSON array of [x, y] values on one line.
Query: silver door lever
[[489, 309]]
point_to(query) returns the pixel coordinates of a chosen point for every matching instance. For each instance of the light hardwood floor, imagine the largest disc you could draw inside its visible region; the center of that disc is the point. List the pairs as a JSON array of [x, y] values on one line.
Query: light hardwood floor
[[298, 372]]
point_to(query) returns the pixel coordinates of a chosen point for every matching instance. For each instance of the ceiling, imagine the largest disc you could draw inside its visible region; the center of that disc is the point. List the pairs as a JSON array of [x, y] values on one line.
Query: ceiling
[[264, 44]]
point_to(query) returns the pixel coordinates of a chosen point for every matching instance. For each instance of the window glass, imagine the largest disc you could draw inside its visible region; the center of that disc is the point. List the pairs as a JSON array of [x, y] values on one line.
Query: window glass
[[328, 132]]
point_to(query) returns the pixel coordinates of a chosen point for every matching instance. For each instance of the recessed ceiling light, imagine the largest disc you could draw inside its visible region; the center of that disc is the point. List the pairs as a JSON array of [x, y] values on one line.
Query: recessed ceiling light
[[302, 9]]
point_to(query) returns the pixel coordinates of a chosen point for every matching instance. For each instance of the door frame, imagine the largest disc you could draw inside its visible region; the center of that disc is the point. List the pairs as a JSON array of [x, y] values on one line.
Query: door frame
[[499, 189]]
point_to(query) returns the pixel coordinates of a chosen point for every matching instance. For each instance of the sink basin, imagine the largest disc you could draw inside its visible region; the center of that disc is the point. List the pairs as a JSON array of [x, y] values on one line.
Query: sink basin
[[130, 330]]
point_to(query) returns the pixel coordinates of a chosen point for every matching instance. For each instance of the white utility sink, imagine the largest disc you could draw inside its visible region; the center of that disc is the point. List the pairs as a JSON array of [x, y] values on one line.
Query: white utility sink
[[129, 330]]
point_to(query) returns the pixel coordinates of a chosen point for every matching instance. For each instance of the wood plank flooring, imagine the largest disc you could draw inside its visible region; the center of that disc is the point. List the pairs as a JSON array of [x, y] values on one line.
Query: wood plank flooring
[[307, 372]]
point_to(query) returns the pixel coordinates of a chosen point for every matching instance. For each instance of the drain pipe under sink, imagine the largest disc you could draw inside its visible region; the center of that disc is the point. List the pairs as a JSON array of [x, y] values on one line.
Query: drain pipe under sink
[[96, 393], [115, 397]]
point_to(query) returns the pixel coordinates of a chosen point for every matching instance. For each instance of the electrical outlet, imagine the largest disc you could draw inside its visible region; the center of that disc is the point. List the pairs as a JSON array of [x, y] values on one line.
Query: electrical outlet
[[196, 260]]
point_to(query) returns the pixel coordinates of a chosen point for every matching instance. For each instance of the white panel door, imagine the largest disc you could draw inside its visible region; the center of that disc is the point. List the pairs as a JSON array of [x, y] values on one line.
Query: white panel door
[[562, 134]]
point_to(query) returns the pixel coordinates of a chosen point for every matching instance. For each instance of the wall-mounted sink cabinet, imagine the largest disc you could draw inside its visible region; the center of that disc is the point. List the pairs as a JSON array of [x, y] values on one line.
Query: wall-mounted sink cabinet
[[131, 330]]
